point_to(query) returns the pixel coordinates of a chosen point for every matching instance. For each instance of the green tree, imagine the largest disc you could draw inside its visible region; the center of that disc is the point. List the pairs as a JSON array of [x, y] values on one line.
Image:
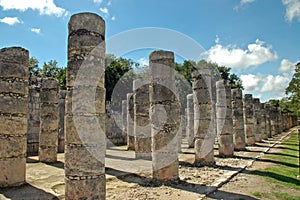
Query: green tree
[[33, 66], [49, 69], [118, 69], [293, 91]]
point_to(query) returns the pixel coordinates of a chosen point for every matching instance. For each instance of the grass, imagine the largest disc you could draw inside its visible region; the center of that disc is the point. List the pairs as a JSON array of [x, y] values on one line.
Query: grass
[[286, 167], [257, 194], [285, 196]]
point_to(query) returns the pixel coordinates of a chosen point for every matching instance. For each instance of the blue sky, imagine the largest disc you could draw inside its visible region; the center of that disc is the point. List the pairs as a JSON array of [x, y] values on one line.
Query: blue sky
[[258, 39]]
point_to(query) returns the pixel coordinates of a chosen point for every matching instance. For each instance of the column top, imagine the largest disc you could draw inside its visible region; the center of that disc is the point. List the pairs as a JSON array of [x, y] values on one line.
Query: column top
[[87, 21]]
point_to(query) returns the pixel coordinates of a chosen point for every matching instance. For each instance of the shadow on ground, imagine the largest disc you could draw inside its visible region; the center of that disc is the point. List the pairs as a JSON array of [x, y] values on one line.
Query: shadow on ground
[[26, 192]]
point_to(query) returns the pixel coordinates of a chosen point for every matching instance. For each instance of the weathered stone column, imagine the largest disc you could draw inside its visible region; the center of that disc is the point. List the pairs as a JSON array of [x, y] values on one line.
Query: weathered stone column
[[13, 115], [224, 119], [130, 113], [280, 122], [165, 116], [273, 121], [203, 117], [141, 122], [264, 133], [85, 108], [268, 120], [48, 140], [34, 106], [239, 137], [61, 121], [124, 119], [248, 119], [257, 119], [190, 120]]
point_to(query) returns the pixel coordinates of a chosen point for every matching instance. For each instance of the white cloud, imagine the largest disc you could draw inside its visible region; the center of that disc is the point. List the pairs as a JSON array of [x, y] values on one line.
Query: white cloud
[[113, 18], [98, 1], [246, 1], [109, 3], [243, 3], [36, 30], [45, 7], [292, 9], [275, 83], [231, 56], [104, 10], [287, 66], [251, 82], [143, 61], [10, 20], [266, 86]]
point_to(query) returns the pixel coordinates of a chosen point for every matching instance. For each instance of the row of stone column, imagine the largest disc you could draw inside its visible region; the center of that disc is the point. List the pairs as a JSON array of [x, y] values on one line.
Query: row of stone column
[[240, 121]]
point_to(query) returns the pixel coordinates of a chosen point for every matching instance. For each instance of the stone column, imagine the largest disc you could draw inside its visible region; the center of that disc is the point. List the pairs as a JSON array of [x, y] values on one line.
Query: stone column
[[280, 122], [13, 115], [141, 122], [190, 120], [48, 140], [263, 122], [164, 115], [203, 117], [224, 119], [33, 116], [130, 134], [85, 108], [239, 137], [257, 119], [273, 121], [268, 120], [61, 121], [248, 119], [124, 119]]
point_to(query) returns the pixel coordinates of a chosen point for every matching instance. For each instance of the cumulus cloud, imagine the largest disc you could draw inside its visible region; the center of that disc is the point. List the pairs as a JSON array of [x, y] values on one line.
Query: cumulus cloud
[[10, 20], [113, 18], [251, 82], [45, 7], [292, 9], [98, 1], [36, 30], [231, 56], [275, 83], [287, 66], [266, 86]]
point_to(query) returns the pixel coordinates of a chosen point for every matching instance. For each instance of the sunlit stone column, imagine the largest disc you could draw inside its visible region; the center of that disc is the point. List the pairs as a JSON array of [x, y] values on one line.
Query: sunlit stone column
[[203, 117], [14, 63], [85, 109], [224, 119], [165, 116], [248, 119], [239, 137]]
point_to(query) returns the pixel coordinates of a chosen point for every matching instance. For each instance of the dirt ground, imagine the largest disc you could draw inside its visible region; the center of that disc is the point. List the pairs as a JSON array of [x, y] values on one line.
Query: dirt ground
[[128, 178]]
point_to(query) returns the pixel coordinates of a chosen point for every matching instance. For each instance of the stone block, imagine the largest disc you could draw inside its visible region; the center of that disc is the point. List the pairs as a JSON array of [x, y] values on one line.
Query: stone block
[[12, 146], [49, 96], [15, 87], [92, 188], [47, 154], [226, 146], [12, 171], [85, 160], [20, 105], [85, 129], [13, 125], [85, 101]]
